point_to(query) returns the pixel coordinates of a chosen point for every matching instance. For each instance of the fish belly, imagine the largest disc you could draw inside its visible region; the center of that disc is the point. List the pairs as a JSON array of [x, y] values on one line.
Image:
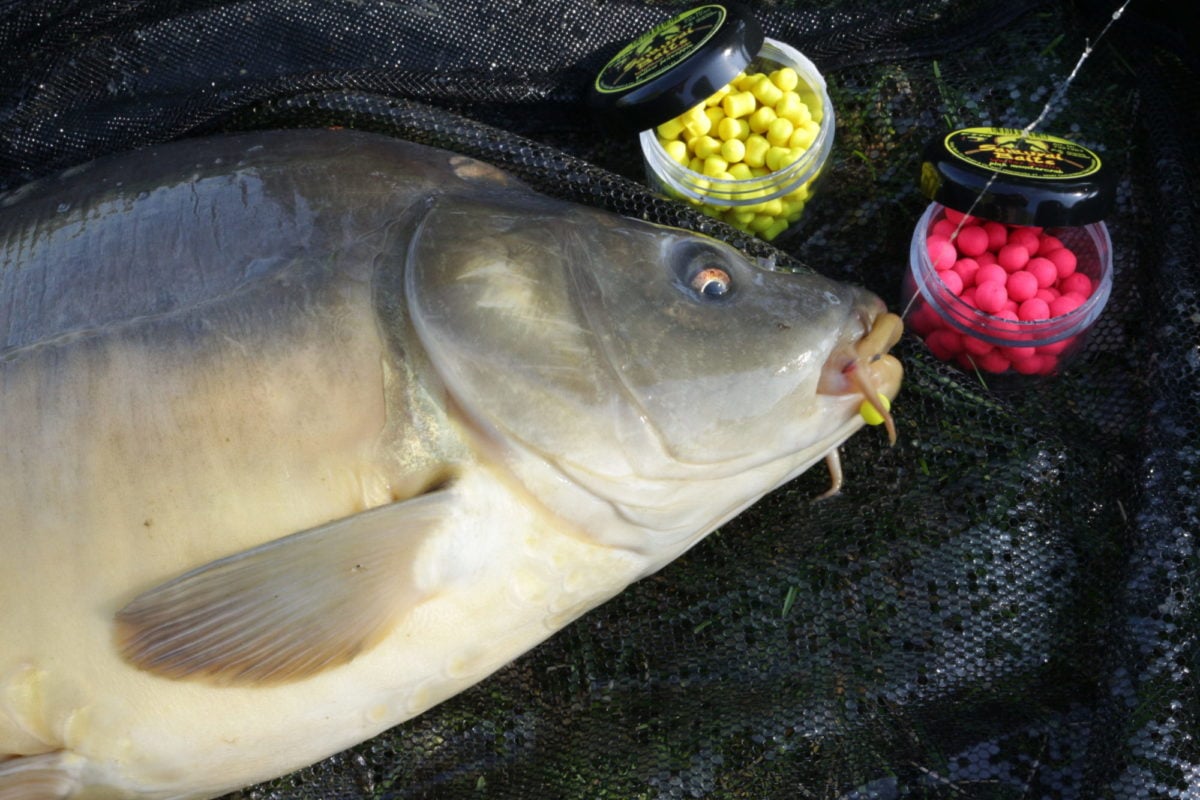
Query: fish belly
[[127, 464]]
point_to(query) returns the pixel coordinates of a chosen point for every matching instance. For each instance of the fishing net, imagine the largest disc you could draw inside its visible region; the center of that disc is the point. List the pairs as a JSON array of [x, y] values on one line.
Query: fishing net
[[1003, 605]]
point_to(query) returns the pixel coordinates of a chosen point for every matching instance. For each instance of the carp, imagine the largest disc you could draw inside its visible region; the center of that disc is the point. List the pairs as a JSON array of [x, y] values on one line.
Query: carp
[[302, 432]]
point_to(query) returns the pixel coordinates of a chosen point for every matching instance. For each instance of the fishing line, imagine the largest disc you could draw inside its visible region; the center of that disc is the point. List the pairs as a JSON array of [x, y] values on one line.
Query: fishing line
[[1061, 90], [908, 307], [1055, 97]]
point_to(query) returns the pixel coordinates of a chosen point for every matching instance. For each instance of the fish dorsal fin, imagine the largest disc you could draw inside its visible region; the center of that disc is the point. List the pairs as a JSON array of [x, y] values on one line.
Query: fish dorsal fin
[[288, 609], [48, 776]]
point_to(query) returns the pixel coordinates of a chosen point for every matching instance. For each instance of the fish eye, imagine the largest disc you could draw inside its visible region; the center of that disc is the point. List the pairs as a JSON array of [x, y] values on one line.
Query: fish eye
[[703, 271], [711, 282]]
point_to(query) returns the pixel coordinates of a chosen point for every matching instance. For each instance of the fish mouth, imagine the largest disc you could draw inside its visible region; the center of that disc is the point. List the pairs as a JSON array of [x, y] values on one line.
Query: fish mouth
[[866, 370]]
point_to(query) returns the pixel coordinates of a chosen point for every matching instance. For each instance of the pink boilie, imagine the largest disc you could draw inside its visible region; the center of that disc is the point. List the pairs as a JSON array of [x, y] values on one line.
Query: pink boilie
[[1016, 275]]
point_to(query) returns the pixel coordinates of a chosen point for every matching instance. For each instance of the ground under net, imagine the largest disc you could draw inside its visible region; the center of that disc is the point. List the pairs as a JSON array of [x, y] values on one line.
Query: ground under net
[[1003, 605]]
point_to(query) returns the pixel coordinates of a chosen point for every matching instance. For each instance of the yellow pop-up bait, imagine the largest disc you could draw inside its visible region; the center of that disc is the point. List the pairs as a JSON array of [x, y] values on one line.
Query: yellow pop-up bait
[[870, 415]]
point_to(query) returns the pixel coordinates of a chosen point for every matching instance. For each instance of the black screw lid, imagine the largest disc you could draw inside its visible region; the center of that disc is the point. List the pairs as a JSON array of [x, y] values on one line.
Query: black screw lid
[[1018, 178], [674, 67]]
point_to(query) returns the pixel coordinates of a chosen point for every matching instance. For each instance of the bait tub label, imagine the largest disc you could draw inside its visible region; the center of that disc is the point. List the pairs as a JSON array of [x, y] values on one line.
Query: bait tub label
[[1020, 154], [661, 49]]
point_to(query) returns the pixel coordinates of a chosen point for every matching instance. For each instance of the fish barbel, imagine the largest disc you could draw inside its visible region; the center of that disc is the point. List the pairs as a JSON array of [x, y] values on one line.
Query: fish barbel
[[307, 431]]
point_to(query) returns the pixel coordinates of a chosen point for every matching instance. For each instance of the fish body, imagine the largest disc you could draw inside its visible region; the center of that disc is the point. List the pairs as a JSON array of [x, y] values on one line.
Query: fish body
[[306, 431]]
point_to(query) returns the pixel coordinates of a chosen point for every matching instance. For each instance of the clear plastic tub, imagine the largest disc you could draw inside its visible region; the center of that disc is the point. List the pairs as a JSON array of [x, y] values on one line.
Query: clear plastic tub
[[765, 205], [1002, 343]]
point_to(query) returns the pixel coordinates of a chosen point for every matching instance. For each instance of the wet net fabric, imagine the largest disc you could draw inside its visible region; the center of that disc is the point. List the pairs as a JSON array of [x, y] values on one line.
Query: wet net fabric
[[1004, 605]]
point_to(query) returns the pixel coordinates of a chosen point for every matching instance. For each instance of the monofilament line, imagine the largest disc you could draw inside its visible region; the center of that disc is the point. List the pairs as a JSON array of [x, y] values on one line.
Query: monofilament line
[[1061, 89], [1055, 96]]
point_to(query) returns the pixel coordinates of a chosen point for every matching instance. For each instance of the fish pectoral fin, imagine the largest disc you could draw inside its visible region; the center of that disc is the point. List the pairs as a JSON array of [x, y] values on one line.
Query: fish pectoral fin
[[49, 776], [288, 609]]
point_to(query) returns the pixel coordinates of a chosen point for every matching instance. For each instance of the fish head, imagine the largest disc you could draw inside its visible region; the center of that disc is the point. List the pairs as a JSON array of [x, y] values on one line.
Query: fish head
[[659, 371]]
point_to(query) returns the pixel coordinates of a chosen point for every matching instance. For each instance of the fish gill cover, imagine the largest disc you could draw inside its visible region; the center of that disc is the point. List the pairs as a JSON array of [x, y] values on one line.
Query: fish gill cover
[[1004, 605]]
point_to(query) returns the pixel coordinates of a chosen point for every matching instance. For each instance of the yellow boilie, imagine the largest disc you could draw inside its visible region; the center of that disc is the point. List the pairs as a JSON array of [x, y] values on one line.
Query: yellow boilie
[[756, 125]]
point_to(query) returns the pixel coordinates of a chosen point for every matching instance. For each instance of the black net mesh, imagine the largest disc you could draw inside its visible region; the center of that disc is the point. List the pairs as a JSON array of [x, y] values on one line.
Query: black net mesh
[[1002, 606]]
